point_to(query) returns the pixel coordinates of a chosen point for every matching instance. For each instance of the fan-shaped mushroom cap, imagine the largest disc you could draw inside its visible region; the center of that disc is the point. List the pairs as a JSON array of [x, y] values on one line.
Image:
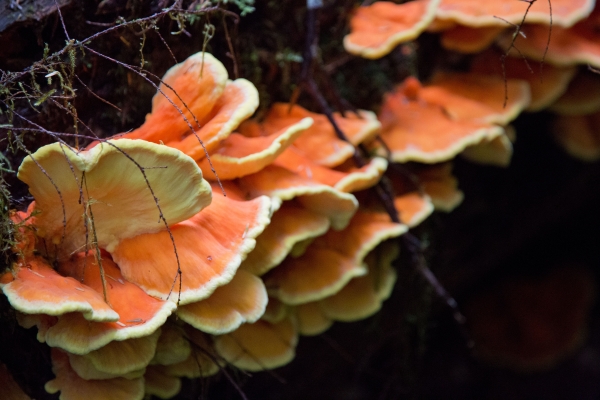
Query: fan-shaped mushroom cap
[[210, 247], [114, 180], [195, 90], [290, 224], [259, 346], [364, 295], [310, 319], [238, 102], [72, 387], [547, 82], [466, 39], [243, 299], [239, 155], [579, 135], [578, 44], [319, 142], [441, 186], [39, 289], [582, 96], [331, 260], [200, 362], [276, 311], [159, 384], [282, 184], [172, 346], [476, 97], [118, 358], [497, 151], [477, 13], [345, 178], [139, 314], [415, 130], [413, 208], [378, 28]]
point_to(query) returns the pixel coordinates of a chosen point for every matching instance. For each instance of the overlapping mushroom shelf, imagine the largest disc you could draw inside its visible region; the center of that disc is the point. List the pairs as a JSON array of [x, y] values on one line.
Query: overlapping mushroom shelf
[[206, 239], [515, 56]]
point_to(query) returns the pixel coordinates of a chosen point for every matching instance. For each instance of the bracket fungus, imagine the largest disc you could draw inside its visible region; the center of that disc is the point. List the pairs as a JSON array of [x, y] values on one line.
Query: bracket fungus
[[378, 28]]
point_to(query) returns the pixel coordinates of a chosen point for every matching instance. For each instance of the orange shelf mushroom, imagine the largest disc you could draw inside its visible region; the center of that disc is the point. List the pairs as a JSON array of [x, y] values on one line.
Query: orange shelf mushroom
[[332, 260], [582, 97], [546, 82], [569, 46], [475, 13], [259, 346], [73, 387], [199, 96], [378, 28], [579, 135]]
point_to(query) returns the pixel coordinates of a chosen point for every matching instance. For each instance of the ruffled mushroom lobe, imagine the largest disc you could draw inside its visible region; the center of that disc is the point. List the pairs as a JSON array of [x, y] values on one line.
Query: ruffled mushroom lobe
[[38, 289], [72, 387], [475, 13], [331, 260], [115, 179], [259, 346], [139, 314], [242, 300], [415, 130], [211, 245], [378, 28]]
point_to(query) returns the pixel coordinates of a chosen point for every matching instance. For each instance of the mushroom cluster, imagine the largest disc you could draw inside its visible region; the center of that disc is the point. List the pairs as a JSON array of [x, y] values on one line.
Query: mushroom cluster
[[528, 41], [137, 274], [518, 56]]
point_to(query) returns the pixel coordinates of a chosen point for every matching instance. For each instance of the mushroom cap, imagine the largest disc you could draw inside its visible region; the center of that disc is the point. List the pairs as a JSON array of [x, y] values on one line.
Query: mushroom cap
[[319, 143], [310, 318], [290, 224], [546, 82], [470, 40], [477, 13], [582, 96], [415, 130], [441, 186], [276, 311], [242, 300], [282, 184], [119, 358], [477, 97], [38, 289], [139, 314], [210, 247], [201, 360], [199, 82], [497, 151], [259, 346], [579, 135], [364, 295], [72, 387], [376, 29], [115, 190], [172, 346], [239, 155], [238, 102], [413, 208], [331, 260], [158, 383], [578, 44], [345, 178]]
